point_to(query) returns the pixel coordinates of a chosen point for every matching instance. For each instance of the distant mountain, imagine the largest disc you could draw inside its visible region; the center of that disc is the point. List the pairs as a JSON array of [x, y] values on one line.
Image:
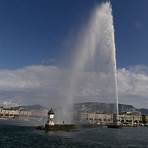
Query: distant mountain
[[143, 111], [30, 107], [126, 108], [88, 107], [106, 108], [33, 107]]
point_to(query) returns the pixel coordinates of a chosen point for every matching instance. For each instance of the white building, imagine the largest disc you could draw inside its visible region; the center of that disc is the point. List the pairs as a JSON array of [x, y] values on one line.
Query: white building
[[8, 113], [95, 118]]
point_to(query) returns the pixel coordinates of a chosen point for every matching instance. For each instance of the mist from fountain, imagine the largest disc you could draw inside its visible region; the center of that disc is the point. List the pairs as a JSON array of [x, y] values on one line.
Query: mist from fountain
[[94, 73]]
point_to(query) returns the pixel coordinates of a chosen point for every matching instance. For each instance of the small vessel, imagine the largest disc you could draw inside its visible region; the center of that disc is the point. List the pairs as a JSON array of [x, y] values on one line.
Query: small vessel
[[113, 125]]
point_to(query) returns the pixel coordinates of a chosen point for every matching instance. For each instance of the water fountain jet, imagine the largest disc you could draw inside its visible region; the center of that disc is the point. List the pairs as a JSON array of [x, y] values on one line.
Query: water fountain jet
[[93, 75], [97, 46]]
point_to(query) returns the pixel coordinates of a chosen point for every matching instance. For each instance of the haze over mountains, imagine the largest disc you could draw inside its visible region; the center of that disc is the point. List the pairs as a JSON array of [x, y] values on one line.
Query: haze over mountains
[[106, 108], [89, 107]]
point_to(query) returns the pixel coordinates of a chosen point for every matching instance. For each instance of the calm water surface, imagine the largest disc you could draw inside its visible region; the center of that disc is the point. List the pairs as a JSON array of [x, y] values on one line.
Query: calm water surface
[[27, 137]]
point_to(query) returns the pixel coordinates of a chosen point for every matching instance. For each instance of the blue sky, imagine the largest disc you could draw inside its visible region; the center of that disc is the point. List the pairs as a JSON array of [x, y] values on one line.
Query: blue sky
[[130, 19], [38, 37], [34, 31]]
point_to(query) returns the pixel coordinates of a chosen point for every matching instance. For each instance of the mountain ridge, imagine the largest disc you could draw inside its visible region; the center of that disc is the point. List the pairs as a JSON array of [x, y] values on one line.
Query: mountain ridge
[[99, 107]]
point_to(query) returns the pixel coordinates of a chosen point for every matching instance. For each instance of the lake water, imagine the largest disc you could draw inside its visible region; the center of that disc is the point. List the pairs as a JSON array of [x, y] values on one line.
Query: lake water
[[27, 137]]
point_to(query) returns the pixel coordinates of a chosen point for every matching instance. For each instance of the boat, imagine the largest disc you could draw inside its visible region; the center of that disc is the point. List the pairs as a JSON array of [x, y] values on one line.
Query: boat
[[114, 125]]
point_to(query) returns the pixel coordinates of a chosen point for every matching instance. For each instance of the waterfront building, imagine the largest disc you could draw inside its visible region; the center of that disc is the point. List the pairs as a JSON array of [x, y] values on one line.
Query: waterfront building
[[25, 113], [130, 118], [145, 119], [127, 118], [8, 113], [96, 118], [13, 113]]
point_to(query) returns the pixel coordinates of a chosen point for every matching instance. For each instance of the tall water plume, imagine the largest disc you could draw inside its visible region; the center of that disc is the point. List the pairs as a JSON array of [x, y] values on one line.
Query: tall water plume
[[96, 60], [94, 75]]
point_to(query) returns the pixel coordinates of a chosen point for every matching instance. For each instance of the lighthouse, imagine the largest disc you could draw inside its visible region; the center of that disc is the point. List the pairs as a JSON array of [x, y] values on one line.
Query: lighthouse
[[50, 121]]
